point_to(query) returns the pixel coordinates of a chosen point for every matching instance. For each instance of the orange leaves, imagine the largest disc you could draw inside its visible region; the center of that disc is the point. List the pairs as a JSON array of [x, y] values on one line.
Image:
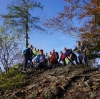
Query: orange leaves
[[61, 15], [69, 95], [82, 30], [78, 18], [94, 88]]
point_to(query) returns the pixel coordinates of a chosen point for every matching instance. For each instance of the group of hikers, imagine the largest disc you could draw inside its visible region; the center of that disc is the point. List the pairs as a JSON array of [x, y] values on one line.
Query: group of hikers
[[37, 59]]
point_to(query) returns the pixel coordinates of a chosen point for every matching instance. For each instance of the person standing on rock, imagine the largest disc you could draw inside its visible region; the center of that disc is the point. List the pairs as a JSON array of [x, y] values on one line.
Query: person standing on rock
[[81, 51], [28, 53]]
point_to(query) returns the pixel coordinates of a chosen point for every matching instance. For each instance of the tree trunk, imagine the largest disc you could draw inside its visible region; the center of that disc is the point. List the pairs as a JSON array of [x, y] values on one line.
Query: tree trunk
[[26, 29], [26, 39]]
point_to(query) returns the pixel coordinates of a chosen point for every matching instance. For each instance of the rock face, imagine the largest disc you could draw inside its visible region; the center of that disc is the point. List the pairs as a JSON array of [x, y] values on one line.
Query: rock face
[[76, 82]]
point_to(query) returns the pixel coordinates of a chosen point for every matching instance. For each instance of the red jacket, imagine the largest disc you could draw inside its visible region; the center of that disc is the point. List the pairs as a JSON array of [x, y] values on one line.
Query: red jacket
[[62, 57]]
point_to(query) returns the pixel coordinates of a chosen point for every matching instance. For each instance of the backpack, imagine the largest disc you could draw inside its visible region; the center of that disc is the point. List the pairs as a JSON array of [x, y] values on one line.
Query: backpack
[[68, 52]]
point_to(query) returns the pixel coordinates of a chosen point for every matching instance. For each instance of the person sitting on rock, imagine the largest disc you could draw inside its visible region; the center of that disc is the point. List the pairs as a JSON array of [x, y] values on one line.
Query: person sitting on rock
[[62, 58], [40, 60]]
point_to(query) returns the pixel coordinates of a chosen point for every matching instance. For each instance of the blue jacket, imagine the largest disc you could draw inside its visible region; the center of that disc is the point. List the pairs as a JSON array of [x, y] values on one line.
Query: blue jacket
[[40, 58], [28, 53]]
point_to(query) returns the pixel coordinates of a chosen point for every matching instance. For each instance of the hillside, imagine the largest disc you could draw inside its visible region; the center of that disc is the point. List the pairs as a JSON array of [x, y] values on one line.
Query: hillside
[[76, 82]]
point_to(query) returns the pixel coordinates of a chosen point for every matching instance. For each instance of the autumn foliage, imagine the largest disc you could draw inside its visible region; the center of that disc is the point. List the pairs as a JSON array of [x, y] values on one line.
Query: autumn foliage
[[79, 18]]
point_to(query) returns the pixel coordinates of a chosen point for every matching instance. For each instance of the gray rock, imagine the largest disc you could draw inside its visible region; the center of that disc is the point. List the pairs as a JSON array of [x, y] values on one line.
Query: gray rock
[[75, 73], [96, 83], [32, 87], [86, 89], [61, 77], [95, 79], [92, 95], [47, 93], [52, 78], [31, 96], [45, 80], [88, 83], [52, 92]]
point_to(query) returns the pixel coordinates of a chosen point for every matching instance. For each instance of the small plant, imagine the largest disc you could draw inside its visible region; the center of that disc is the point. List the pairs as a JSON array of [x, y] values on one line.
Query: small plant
[[11, 80]]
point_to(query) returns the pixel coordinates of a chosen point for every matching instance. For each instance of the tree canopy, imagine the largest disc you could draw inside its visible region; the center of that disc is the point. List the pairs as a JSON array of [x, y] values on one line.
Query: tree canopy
[[19, 17]]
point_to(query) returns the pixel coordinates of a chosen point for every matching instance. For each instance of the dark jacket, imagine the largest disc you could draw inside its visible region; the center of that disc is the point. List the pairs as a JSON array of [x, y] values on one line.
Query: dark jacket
[[68, 52], [28, 53]]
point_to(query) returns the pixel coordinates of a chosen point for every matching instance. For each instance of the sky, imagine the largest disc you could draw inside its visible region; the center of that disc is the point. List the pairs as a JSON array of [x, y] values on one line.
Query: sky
[[42, 40]]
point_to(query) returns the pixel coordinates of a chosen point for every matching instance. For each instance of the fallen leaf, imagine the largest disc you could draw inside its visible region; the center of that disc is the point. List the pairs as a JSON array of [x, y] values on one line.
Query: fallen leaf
[[69, 95]]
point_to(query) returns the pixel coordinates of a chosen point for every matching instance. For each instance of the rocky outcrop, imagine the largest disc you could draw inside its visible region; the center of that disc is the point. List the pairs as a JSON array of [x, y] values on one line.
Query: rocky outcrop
[[76, 82]]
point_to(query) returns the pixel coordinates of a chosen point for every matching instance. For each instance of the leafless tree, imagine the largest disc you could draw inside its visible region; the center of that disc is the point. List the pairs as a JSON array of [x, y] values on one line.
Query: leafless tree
[[10, 52]]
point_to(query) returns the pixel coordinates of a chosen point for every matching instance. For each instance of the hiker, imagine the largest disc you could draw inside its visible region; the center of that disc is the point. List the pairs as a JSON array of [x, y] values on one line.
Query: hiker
[[35, 55], [35, 52], [40, 60], [28, 53], [62, 58], [55, 56], [68, 54], [74, 57], [81, 51], [51, 58]]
